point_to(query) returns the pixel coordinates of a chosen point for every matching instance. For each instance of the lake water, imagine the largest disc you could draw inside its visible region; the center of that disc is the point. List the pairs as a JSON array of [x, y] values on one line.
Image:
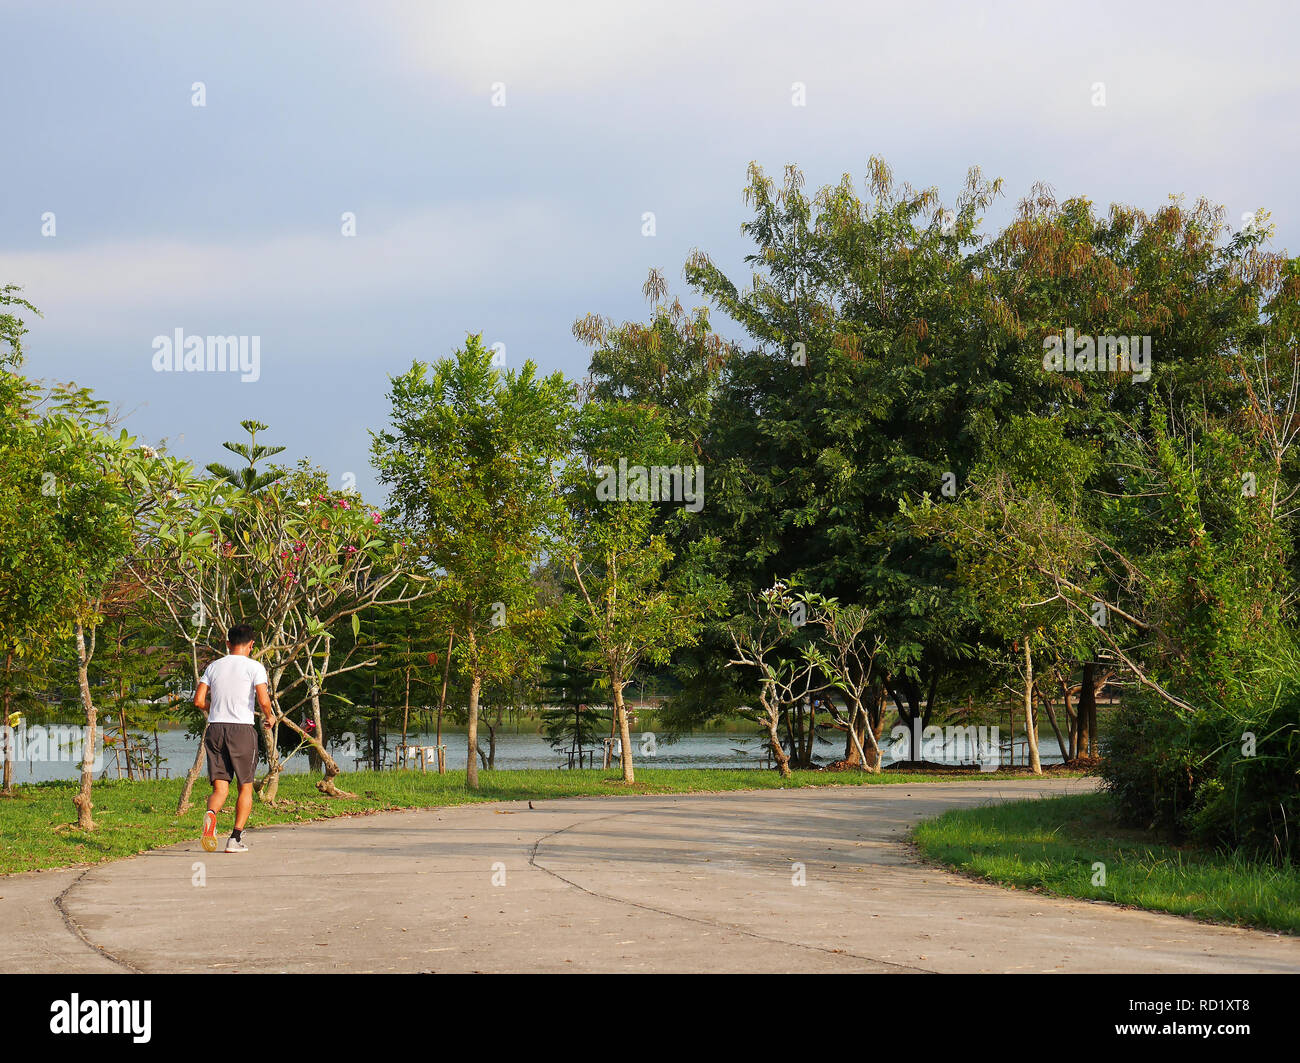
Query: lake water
[[42, 756]]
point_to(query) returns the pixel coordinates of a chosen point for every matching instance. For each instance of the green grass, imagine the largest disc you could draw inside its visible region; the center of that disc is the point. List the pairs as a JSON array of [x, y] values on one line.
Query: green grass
[[134, 816], [1051, 845]]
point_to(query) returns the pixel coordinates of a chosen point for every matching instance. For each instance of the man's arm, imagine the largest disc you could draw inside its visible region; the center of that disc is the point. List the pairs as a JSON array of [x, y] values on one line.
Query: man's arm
[[201, 698], [264, 703]]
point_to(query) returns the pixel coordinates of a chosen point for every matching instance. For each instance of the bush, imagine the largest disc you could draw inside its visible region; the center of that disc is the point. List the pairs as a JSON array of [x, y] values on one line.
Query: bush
[[1203, 777], [1149, 766]]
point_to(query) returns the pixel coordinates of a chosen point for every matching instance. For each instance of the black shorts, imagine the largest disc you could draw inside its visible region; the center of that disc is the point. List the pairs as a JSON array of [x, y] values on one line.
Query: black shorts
[[232, 751]]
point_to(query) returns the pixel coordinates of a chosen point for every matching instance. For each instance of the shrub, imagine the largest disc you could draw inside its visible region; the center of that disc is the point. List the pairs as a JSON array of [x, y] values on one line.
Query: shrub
[[1227, 775]]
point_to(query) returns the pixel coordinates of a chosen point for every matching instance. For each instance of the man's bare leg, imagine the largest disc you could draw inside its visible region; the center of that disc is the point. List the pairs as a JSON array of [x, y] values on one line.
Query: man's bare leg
[[216, 802], [220, 788], [243, 804]]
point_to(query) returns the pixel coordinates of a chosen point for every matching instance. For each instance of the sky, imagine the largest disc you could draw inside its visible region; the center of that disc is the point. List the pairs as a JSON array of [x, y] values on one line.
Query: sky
[[498, 158]]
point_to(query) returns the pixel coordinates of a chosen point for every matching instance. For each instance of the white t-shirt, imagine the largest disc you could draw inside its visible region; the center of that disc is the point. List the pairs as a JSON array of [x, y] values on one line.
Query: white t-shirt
[[232, 688]]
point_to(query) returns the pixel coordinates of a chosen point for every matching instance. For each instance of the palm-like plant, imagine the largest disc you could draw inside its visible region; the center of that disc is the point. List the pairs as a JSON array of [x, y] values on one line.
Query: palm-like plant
[[248, 478]]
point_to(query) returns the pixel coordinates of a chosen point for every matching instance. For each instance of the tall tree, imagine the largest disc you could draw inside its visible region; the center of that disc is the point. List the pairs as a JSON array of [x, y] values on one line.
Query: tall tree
[[872, 349], [637, 600], [469, 462]]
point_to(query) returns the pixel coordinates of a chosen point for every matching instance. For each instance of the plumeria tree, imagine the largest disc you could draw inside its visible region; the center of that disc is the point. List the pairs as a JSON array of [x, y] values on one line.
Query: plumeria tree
[[845, 653], [767, 639], [293, 559]]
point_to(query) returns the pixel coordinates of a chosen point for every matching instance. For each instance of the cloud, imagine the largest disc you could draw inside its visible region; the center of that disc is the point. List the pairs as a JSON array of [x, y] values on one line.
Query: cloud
[[931, 65], [443, 253]]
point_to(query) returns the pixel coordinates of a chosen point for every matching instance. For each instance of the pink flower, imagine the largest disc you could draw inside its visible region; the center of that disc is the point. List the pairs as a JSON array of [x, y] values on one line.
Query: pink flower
[[376, 517], [352, 549], [342, 503]]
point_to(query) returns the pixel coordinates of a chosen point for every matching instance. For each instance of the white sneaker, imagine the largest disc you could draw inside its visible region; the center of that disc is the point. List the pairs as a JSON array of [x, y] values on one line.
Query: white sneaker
[[233, 846]]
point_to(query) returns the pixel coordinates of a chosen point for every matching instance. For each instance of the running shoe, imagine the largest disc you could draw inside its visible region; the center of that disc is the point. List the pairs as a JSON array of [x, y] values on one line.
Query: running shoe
[[233, 846], [210, 831]]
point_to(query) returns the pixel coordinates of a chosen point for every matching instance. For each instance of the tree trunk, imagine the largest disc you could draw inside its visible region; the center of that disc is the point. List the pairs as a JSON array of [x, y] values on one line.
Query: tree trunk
[[624, 733], [313, 756], [782, 761], [873, 724], [811, 737], [270, 784], [1087, 711], [442, 704], [126, 748], [82, 800], [332, 770], [1071, 727], [930, 698], [802, 752], [1093, 750], [406, 705], [871, 729], [1051, 716], [8, 787], [859, 754], [907, 699], [1031, 730], [788, 716], [328, 764], [471, 766]]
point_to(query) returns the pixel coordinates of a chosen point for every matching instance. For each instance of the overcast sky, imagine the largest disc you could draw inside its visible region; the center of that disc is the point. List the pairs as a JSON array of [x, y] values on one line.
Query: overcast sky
[[226, 219]]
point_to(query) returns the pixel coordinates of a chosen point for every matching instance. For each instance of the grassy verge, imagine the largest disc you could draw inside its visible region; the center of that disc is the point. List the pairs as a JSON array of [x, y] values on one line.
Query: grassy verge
[[1052, 844], [134, 816]]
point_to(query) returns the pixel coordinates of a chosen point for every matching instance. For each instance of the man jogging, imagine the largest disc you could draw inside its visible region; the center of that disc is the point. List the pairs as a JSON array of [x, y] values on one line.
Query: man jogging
[[227, 694]]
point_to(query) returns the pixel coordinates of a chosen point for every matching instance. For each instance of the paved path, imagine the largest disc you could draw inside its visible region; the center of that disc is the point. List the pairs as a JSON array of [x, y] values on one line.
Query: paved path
[[689, 883]]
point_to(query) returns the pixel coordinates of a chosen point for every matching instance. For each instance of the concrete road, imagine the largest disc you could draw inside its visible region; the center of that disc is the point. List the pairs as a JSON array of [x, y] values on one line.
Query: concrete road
[[689, 883]]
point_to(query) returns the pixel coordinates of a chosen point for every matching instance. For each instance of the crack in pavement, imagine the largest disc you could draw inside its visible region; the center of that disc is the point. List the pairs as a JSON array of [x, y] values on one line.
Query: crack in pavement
[[78, 932], [716, 924]]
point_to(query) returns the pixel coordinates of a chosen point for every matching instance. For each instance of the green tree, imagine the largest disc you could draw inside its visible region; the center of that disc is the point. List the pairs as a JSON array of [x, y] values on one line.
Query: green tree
[[132, 677], [469, 463], [574, 721], [873, 348], [74, 493], [637, 600]]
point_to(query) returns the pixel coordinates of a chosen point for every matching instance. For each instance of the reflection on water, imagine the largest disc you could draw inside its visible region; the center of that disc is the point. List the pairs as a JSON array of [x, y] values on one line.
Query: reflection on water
[[513, 751]]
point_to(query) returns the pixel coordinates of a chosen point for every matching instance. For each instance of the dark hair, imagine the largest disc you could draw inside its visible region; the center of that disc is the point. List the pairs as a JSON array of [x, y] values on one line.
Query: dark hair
[[240, 635]]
